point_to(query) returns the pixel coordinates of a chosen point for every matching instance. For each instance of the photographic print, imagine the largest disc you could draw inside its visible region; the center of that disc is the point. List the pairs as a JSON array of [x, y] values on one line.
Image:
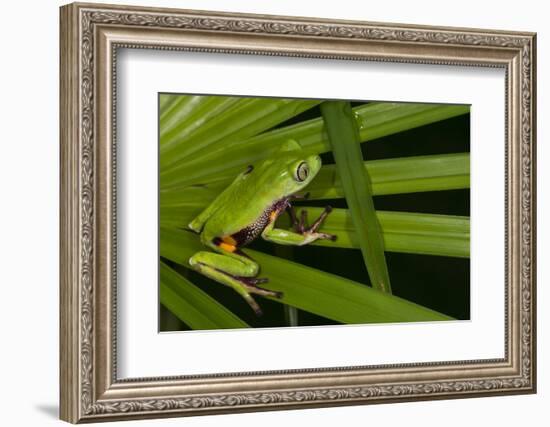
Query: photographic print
[[278, 212]]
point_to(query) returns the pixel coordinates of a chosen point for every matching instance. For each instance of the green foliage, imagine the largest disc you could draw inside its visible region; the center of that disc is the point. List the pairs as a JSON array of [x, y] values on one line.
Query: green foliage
[[311, 290], [427, 234], [206, 140], [375, 121], [193, 306], [343, 135]]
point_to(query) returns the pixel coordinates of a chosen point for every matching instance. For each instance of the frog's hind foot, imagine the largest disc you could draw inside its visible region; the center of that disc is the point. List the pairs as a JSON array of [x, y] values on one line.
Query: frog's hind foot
[[251, 285], [253, 281]]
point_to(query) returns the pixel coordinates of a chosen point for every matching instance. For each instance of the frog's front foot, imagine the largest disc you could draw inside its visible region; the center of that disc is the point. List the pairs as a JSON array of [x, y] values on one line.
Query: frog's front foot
[[300, 225], [322, 236]]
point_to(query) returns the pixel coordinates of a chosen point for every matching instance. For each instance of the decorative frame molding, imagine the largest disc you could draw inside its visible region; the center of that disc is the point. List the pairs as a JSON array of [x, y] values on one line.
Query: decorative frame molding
[[90, 36]]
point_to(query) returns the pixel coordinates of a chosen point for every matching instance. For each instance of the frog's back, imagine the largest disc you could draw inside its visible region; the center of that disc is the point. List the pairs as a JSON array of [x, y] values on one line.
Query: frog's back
[[243, 208], [241, 214]]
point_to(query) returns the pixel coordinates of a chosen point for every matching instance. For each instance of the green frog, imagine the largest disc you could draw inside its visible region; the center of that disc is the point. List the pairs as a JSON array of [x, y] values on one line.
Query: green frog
[[248, 208]]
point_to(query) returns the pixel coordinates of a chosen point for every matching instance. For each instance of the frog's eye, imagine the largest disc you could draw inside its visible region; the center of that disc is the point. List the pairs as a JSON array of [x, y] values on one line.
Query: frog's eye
[[302, 172]]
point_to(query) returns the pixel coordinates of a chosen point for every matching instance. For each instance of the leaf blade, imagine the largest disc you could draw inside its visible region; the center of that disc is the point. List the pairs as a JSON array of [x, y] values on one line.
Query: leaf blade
[[400, 175], [221, 120], [344, 140], [377, 119], [312, 290], [404, 232], [192, 305]]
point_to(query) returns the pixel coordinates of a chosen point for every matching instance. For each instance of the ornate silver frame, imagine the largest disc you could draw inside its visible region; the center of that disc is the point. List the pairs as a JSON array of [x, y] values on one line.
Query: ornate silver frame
[[90, 35]]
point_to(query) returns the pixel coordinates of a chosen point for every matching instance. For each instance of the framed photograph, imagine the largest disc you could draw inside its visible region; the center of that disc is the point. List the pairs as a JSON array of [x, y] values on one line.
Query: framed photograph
[[267, 212]]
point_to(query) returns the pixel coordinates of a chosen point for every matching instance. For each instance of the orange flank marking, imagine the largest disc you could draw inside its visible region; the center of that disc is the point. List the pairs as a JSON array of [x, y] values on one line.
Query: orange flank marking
[[227, 247], [273, 216], [229, 240]]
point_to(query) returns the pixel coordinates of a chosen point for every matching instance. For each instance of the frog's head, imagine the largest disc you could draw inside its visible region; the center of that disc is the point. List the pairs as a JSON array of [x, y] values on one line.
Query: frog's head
[[300, 172], [291, 169]]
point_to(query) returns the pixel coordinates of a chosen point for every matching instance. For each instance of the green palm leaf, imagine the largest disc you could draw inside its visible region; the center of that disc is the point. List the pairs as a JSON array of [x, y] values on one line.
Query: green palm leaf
[[224, 120], [312, 290], [193, 306], [375, 121], [388, 176], [343, 134], [405, 232], [206, 140]]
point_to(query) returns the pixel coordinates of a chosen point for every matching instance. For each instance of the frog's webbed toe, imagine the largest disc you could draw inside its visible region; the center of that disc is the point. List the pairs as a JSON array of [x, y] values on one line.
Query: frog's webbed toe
[[251, 284], [253, 281], [300, 224], [236, 271], [325, 236], [317, 223]]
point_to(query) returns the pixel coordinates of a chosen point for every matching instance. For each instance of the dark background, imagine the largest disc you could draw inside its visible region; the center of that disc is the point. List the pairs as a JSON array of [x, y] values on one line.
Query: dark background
[[436, 282]]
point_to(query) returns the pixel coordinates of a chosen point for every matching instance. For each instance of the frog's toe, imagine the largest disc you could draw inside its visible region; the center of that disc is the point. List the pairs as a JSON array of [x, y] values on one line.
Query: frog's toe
[[278, 294], [259, 280], [327, 236], [254, 289], [253, 305], [274, 294], [258, 311], [253, 281]]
